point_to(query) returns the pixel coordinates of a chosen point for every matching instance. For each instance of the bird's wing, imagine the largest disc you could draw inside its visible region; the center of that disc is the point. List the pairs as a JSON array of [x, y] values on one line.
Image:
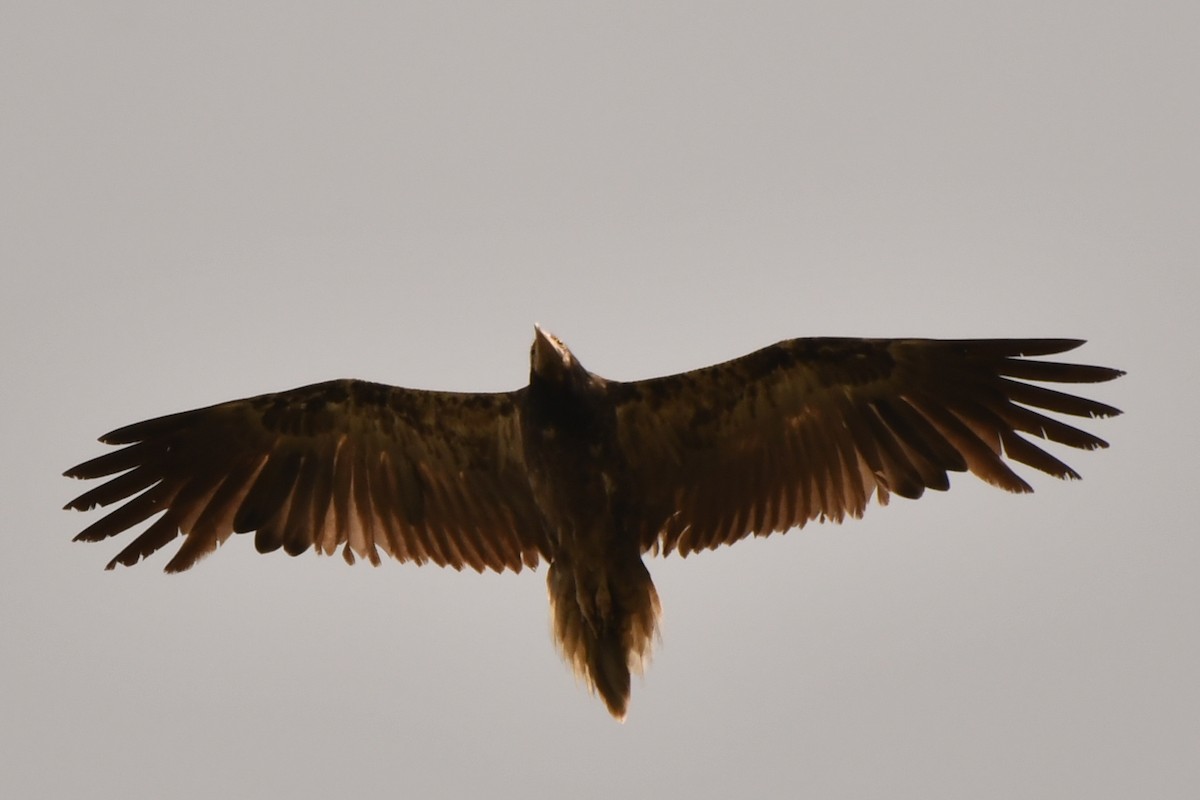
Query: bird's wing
[[422, 476], [811, 428]]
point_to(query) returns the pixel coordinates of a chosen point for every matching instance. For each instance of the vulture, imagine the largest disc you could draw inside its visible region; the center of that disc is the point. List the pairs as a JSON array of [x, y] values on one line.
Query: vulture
[[588, 474]]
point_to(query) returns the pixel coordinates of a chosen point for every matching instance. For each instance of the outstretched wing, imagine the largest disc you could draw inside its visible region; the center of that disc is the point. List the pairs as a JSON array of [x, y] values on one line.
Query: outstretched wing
[[434, 476], [812, 428]]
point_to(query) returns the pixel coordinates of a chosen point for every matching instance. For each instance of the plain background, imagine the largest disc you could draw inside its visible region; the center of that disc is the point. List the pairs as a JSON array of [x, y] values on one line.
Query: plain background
[[208, 201]]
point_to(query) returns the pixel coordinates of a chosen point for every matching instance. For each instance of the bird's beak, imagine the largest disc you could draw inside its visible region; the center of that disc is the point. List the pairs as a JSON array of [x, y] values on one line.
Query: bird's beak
[[544, 351]]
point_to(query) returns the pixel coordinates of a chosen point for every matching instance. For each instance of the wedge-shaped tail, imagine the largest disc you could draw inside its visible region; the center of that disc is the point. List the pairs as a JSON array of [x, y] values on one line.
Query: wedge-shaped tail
[[605, 624]]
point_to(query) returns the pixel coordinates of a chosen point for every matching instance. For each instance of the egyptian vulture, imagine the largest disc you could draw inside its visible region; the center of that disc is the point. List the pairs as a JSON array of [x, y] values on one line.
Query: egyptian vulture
[[588, 474]]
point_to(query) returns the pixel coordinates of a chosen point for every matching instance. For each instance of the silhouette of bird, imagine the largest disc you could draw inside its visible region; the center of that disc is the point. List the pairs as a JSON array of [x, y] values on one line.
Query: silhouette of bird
[[589, 474]]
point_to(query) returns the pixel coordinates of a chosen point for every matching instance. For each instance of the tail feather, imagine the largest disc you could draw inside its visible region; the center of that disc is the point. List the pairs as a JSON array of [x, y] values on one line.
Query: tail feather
[[605, 626]]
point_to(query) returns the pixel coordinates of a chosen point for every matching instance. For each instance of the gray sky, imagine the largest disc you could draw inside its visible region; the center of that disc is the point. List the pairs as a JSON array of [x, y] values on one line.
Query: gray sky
[[207, 201]]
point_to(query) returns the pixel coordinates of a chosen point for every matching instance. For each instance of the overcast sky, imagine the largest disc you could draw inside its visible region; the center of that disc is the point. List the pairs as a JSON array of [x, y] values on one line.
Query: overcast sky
[[201, 202]]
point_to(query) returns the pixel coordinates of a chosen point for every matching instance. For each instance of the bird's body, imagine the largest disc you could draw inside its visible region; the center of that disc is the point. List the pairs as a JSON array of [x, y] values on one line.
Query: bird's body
[[588, 474], [604, 604]]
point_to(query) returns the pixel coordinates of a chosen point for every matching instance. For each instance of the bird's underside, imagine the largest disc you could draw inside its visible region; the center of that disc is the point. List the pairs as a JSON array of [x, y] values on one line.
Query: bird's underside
[[588, 474]]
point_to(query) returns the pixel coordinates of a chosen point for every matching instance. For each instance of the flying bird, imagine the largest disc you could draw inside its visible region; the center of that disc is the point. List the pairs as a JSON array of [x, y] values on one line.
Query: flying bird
[[587, 474]]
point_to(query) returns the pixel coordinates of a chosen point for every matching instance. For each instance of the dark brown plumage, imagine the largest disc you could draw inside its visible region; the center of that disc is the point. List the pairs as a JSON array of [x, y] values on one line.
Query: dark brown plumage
[[589, 474]]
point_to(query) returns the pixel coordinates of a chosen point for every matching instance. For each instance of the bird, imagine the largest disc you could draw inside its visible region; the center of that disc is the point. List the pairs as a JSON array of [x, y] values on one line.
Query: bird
[[588, 475]]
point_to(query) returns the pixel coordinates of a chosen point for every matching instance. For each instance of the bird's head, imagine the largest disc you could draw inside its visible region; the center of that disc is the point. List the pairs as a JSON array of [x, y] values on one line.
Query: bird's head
[[550, 360]]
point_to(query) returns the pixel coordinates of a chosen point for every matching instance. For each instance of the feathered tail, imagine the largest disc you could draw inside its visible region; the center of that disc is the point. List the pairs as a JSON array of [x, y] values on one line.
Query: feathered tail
[[604, 624]]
